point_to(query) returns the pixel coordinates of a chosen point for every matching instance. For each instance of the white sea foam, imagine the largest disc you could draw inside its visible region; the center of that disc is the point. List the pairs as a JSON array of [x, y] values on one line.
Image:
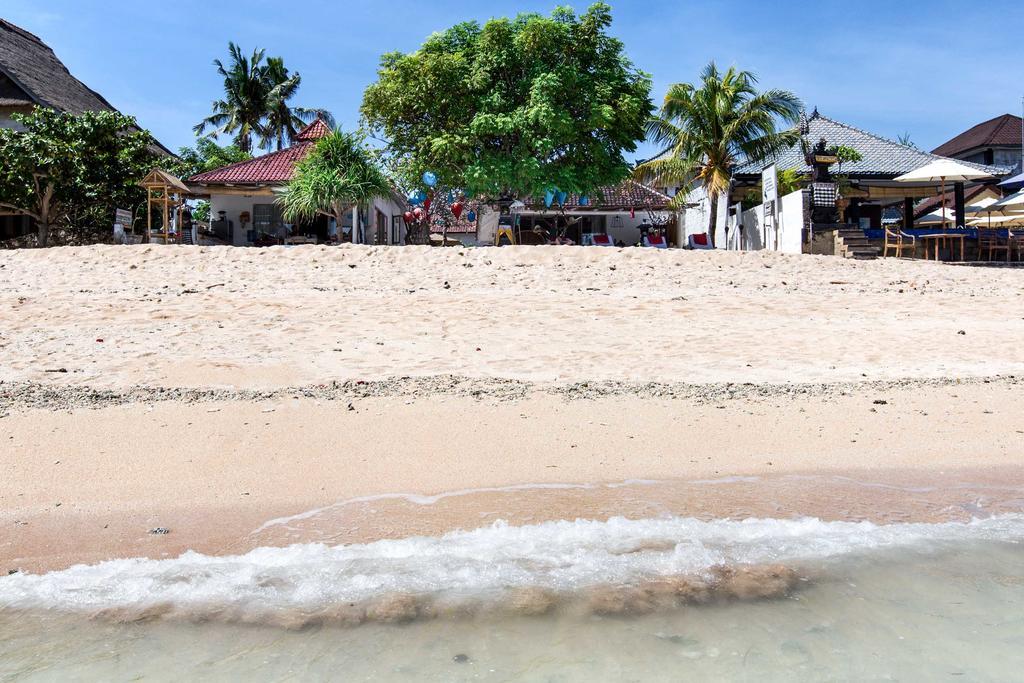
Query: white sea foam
[[559, 556]]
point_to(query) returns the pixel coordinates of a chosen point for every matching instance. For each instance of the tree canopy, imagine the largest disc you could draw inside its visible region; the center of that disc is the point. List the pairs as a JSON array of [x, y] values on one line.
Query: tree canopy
[[256, 102], [72, 170], [514, 106], [339, 173], [704, 130]]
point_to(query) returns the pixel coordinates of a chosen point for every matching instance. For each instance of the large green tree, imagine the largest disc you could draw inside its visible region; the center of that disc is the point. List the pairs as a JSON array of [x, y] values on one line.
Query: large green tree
[[514, 106], [256, 102], [338, 174], [72, 171], [705, 130]]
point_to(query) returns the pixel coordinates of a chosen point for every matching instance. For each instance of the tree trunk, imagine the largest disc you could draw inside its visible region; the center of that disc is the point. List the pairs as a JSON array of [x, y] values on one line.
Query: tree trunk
[[42, 233], [713, 222]]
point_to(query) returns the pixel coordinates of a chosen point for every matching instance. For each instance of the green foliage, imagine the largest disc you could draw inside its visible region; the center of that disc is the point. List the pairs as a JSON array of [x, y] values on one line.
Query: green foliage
[[201, 211], [845, 154], [339, 173], [205, 156], [705, 130], [73, 171], [788, 180], [255, 102], [905, 140], [513, 107]]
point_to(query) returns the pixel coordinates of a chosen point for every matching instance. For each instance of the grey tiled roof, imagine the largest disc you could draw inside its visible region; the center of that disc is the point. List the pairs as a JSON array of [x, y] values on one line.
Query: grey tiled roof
[[881, 158]]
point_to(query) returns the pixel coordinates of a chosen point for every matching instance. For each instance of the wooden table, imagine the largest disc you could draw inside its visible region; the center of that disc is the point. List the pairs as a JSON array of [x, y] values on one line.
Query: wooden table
[[940, 237]]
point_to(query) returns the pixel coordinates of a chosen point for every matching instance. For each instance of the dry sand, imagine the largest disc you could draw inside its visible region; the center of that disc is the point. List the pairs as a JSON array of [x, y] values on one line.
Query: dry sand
[[209, 390]]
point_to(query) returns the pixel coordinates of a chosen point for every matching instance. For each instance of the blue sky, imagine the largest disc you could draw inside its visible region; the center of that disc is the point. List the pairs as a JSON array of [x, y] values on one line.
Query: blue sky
[[927, 68]]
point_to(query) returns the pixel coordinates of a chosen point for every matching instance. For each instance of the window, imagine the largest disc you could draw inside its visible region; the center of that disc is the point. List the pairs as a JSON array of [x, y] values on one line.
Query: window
[[266, 218]]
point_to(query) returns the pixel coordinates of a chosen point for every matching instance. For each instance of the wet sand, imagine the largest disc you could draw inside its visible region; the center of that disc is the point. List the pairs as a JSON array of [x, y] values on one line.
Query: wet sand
[[227, 476]]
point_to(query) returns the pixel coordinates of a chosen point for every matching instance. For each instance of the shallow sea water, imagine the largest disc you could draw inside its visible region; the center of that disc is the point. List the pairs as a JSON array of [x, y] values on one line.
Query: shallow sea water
[[875, 602]]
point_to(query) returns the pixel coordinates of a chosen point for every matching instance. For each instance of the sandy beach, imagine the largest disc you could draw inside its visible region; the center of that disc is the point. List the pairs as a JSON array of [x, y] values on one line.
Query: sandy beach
[[247, 397]]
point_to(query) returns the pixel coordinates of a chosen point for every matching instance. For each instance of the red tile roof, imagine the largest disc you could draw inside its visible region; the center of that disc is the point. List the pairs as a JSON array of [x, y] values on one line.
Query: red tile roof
[[1001, 131], [276, 167], [314, 131]]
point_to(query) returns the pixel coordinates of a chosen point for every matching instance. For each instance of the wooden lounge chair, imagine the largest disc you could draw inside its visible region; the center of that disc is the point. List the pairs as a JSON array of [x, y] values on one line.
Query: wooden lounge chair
[[899, 242], [991, 241]]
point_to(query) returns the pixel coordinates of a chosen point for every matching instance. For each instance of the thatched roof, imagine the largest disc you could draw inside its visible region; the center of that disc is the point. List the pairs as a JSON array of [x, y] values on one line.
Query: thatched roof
[[30, 72]]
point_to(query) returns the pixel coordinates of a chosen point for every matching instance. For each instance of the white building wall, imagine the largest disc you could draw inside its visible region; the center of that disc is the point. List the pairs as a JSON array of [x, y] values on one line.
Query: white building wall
[[696, 219], [790, 222], [234, 205]]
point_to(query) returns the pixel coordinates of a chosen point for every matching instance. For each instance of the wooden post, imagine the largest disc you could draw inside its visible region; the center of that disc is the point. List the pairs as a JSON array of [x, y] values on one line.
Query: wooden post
[[167, 217], [149, 215], [908, 213]]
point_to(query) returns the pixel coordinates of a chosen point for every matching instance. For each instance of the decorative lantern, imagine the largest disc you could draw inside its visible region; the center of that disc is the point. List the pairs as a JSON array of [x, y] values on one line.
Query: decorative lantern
[[457, 210], [549, 198], [429, 179]]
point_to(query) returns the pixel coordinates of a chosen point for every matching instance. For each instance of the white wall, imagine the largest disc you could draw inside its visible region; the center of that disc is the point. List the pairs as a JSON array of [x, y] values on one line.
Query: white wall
[[791, 226], [234, 205], [697, 219]]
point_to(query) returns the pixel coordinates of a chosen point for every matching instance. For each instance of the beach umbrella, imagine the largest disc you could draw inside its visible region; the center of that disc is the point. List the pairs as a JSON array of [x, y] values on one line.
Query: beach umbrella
[[1013, 183], [943, 171], [936, 217], [1010, 205]]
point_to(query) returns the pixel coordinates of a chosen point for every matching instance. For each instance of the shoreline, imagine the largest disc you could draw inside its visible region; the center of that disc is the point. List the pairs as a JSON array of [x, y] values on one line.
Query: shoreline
[[213, 472]]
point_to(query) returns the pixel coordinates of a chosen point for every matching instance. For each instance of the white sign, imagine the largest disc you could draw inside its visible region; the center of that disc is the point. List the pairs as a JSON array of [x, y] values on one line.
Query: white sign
[[769, 185], [770, 199]]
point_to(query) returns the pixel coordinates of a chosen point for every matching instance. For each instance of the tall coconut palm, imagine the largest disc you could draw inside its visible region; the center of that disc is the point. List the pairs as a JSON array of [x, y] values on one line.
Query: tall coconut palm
[[706, 130], [338, 174], [244, 105], [283, 122]]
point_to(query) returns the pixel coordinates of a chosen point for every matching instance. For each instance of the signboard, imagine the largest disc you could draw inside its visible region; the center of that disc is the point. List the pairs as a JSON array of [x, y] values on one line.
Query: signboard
[[123, 217], [770, 200], [769, 186]]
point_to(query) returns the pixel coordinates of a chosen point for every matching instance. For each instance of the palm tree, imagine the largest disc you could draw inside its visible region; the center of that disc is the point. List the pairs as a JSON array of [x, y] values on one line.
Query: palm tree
[[282, 121], [338, 174], [705, 130], [241, 111]]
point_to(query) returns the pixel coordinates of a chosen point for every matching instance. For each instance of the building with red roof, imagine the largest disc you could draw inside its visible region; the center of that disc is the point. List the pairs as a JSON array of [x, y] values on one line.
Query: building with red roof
[[244, 211]]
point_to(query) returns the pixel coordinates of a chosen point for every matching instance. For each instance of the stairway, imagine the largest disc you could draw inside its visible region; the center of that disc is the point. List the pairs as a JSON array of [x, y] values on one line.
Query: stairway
[[851, 243]]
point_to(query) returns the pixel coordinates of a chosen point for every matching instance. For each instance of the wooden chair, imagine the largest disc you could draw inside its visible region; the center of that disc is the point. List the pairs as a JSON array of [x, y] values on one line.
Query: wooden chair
[[1015, 244], [991, 241], [899, 241]]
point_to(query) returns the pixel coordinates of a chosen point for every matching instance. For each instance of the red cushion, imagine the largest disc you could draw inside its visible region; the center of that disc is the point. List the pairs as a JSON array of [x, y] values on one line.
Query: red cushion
[[701, 239]]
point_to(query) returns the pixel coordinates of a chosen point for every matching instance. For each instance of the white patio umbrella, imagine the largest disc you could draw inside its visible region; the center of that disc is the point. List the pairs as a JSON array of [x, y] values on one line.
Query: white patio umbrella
[[1009, 205], [936, 217], [943, 171]]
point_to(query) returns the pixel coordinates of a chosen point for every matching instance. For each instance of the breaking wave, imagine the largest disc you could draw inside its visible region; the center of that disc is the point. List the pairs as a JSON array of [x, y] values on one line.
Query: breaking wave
[[615, 567]]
